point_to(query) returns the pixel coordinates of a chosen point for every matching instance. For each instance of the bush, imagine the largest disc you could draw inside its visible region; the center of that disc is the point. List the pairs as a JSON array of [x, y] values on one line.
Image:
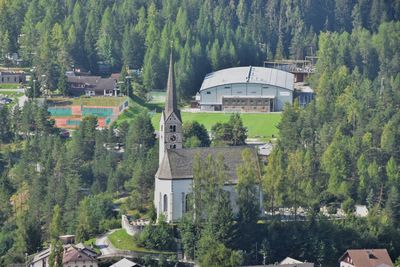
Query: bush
[[158, 237], [348, 206], [109, 224], [135, 215]]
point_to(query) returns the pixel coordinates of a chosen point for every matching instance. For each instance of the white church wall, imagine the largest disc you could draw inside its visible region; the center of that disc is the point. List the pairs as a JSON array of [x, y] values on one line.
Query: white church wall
[[162, 188], [181, 188]]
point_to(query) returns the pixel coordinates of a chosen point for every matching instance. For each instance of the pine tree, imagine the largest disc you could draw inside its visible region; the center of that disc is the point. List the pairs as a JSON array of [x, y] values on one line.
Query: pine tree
[[248, 198]]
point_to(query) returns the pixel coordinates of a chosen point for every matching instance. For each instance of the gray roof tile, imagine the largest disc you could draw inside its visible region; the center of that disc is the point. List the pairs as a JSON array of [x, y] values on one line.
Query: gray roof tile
[[178, 163]]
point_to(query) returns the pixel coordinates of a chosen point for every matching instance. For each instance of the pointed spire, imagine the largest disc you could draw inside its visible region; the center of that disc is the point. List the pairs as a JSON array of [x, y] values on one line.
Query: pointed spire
[[171, 105]]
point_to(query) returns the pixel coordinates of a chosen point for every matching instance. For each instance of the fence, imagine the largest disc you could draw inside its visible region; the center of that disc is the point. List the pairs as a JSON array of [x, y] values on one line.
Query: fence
[[61, 112], [98, 112]]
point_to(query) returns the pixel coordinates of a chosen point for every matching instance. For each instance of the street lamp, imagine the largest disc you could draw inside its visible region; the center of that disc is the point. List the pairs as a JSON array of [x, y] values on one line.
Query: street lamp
[[44, 84], [128, 79], [119, 85], [34, 88]]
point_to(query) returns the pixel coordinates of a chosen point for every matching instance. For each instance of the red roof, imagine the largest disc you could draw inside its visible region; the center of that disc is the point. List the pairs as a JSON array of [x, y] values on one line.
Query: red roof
[[367, 257]]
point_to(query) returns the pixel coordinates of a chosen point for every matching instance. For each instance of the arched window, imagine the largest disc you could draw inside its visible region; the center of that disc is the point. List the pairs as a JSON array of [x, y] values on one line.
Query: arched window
[[188, 202], [165, 202]]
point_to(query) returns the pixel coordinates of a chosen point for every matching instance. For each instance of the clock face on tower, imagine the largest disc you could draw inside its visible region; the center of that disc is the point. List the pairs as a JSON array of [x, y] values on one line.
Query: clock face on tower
[[172, 138]]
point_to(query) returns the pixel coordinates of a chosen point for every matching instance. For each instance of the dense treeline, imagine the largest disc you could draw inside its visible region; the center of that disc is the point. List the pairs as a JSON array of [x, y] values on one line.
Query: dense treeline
[[80, 175], [207, 35], [343, 149]]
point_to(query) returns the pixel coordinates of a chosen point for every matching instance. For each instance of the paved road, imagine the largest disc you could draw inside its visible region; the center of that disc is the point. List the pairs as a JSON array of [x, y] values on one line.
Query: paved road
[[104, 245], [22, 100]]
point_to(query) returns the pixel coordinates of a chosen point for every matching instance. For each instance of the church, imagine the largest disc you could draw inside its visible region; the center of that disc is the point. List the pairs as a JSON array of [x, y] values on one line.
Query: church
[[174, 178]]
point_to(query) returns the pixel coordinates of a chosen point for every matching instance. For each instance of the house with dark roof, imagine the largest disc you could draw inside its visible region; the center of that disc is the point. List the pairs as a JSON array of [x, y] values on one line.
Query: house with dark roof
[[365, 258], [287, 262], [77, 257], [174, 178], [91, 86], [12, 77]]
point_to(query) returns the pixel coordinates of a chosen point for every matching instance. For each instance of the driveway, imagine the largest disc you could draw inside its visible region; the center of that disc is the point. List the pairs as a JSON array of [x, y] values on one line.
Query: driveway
[[104, 245]]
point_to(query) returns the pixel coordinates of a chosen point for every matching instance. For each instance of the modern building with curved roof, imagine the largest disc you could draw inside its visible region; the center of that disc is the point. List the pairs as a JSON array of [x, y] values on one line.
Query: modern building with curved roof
[[249, 88]]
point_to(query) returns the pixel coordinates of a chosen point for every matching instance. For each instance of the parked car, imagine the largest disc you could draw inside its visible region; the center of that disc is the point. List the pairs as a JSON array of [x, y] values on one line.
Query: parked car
[[5, 100]]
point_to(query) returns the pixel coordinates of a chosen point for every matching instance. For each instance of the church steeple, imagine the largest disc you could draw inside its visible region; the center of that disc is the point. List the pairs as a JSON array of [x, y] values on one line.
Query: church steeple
[[171, 105], [171, 135]]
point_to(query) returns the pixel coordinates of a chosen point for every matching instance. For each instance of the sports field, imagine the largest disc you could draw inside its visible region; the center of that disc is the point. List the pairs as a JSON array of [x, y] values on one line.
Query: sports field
[[262, 126], [259, 125]]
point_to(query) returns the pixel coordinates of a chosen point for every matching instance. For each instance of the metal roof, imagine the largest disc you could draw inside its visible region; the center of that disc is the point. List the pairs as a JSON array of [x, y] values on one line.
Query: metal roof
[[249, 96], [258, 75]]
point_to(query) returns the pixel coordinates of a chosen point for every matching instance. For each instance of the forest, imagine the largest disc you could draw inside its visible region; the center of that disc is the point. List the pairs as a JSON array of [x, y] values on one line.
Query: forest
[[102, 36], [342, 149]]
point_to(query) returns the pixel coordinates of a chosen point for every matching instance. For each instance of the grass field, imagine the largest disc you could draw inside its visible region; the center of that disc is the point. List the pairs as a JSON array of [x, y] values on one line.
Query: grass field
[[262, 126], [11, 94], [157, 96], [87, 101], [121, 240], [9, 85], [259, 125]]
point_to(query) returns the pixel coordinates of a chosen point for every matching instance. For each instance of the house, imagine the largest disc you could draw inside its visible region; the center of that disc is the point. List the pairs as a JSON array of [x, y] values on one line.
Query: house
[[91, 86], [12, 77], [125, 263], [303, 93], [76, 256], [73, 256], [365, 258], [174, 178], [287, 262]]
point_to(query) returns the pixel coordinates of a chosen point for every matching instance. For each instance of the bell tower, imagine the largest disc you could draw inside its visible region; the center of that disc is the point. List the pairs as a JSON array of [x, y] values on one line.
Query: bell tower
[[171, 135]]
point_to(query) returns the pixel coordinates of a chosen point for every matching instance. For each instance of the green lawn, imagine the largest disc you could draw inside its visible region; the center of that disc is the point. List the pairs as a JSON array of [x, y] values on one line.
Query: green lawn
[[87, 101], [259, 125], [262, 126], [121, 240], [133, 110], [157, 96], [9, 85], [11, 93]]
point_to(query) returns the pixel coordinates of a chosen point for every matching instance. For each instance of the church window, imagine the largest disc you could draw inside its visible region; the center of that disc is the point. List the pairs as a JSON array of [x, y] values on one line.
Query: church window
[[162, 127], [183, 202], [188, 201], [165, 206], [172, 128]]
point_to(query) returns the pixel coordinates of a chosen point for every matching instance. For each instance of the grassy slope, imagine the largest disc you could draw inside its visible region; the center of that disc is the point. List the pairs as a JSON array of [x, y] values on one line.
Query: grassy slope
[[121, 240]]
